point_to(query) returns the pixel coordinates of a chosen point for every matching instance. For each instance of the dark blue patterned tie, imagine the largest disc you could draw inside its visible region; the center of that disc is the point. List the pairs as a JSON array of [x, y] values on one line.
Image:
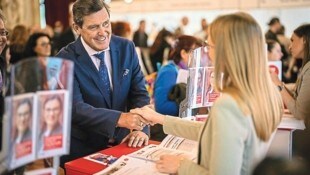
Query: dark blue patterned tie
[[103, 73]]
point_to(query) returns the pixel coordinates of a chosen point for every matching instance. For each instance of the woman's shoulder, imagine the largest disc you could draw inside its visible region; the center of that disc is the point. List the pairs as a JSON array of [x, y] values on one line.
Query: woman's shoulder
[[227, 102], [170, 67]]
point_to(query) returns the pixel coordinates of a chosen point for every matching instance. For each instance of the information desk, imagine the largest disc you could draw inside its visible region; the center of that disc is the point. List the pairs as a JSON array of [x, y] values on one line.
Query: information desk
[[281, 145], [82, 166]]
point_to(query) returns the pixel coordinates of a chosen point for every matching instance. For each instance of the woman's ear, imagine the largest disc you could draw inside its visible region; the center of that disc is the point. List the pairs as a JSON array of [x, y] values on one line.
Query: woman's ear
[[183, 54]]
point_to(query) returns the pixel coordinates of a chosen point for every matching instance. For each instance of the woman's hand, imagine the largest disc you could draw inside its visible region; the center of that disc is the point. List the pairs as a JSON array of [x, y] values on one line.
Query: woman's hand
[[169, 164], [136, 139], [149, 114]]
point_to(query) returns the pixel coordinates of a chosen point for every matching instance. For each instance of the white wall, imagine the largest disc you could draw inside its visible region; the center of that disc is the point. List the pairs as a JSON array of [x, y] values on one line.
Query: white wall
[[290, 17]]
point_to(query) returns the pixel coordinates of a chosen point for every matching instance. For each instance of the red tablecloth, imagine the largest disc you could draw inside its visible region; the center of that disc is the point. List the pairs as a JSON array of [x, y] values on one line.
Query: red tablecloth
[[82, 166]]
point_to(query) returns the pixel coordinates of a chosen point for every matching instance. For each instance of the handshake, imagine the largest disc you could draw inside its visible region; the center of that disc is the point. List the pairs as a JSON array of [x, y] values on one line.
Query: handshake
[[138, 118]]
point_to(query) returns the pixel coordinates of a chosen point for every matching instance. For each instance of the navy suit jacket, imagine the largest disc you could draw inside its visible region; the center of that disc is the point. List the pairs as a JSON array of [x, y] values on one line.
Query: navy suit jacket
[[94, 118]]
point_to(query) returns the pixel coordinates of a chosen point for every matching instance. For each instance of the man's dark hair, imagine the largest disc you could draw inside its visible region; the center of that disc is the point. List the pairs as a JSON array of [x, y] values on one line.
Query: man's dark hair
[[83, 8], [273, 21]]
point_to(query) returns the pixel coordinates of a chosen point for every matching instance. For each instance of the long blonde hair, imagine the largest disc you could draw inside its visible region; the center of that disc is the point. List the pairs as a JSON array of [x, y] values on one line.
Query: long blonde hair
[[240, 54]]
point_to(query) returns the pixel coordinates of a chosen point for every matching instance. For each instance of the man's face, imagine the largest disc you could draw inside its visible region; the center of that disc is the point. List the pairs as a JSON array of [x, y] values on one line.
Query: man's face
[[3, 39], [52, 112], [96, 30], [23, 116]]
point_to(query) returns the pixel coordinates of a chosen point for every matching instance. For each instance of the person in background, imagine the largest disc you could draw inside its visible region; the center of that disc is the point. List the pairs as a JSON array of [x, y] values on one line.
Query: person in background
[[18, 40], [3, 41], [183, 28], [58, 28], [38, 45], [202, 34], [122, 29], [140, 37], [107, 83], [274, 27], [166, 80], [274, 50], [281, 166], [238, 132], [68, 35], [298, 100], [163, 41]]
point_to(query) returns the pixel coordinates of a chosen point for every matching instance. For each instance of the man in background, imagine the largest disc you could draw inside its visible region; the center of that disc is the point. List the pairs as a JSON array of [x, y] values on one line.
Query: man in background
[[140, 37]]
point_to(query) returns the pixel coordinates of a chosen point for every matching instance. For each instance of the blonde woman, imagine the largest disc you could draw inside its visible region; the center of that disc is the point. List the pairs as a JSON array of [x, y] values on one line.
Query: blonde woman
[[242, 121]]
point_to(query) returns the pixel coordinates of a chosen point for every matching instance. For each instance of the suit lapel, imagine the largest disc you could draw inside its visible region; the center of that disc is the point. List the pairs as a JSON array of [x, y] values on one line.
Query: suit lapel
[[91, 69], [116, 71]]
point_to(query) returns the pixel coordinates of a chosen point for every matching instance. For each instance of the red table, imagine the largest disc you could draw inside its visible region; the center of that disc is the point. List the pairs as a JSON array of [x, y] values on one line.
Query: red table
[[82, 166]]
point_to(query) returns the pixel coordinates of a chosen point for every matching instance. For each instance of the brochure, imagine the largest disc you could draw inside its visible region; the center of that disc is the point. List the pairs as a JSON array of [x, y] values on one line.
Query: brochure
[[101, 158]]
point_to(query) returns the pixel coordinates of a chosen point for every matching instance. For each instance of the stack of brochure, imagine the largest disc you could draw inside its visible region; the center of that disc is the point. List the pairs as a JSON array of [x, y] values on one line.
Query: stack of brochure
[[143, 161]]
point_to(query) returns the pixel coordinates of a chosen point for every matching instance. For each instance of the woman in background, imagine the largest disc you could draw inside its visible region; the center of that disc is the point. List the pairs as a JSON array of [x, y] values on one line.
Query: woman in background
[[274, 50], [18, 41], [239, 129], [167, 75], [32, 76], [166, 80], [298, 101], [38, 45]]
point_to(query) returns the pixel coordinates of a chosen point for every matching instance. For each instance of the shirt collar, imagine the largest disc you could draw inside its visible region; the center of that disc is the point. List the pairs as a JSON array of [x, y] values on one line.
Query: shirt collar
[[89, 50]]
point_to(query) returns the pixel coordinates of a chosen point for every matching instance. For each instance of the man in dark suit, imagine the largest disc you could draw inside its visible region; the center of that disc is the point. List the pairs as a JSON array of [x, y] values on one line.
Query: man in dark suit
[[103, 91], [140, 37]]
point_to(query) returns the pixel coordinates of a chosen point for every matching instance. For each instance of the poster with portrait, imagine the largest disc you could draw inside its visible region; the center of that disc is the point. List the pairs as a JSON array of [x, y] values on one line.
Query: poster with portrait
[[210, 94], [199, 83], [53, 123], [23, 134], [276, 67], [194, 58], [190, 90], [199, 58]]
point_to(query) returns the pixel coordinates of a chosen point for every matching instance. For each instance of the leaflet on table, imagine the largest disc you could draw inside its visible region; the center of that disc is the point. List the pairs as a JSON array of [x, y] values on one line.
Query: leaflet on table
[[153, 153], [289, 122], [179, 143], [129, 165], [101, 158], [46, 171]]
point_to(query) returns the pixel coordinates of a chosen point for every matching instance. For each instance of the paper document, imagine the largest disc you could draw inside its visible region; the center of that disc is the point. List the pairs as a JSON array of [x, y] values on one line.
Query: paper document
[[129, 165], [289, 122]]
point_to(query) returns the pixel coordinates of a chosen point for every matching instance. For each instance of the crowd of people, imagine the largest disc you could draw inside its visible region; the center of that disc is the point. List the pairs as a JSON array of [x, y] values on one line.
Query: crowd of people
[[111, 104]]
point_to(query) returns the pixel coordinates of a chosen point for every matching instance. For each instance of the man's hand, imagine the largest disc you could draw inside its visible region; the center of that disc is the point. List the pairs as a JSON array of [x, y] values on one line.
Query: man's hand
[[131, 121], [149, 115], [136, 139]]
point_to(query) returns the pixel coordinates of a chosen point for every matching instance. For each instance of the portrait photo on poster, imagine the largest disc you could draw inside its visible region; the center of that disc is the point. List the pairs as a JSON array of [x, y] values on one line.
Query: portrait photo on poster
[[23, 134], [52, 123], [199, 82], [210, 92]]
